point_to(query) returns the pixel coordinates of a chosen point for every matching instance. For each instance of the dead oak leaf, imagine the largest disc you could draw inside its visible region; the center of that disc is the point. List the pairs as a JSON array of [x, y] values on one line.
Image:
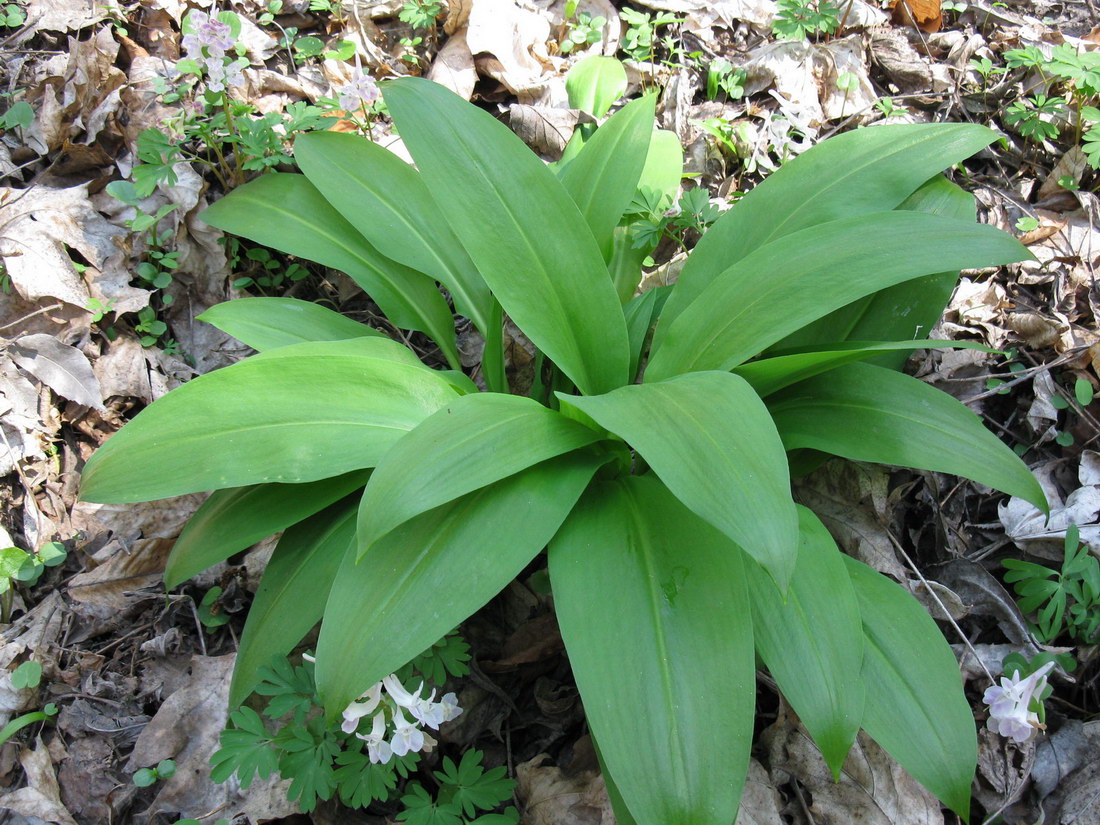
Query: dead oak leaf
[[41, 798]]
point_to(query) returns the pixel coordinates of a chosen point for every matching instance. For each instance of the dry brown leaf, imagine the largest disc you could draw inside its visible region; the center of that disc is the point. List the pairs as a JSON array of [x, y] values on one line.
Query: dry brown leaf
[[543, 128], [1073, 164], [453, 66], [760, 801], [62, 368], [187, 728], [61, 16], [514, 39], [1003, 769], [873, 789], [41, 796], [1029, 528], [926, 15], [35, 227], [20, 422], [551, 797], [117, 583]]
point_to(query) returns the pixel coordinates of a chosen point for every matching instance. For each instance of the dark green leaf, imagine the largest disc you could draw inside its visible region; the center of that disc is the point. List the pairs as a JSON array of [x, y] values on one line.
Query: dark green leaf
[[869, 413], [655, 614], [733, 475], [231, 520], [472, 442], [265, 323], [307, 414], [454, 558], [514, 217], [915, 708]]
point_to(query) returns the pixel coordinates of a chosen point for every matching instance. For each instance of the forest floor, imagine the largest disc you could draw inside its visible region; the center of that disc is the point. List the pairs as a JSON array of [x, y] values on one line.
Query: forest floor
[[98, 308]]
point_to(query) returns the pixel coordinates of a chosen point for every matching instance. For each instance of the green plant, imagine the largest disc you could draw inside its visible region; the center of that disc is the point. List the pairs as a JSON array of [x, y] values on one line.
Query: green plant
[[464, 789], [321, 758], [723, 78], [640, 38], [210, 612], [19, 115], [585, 31], [651, 450], [420, 14], [17, 565], [27, 676], [144, 777], [1027, 116], [801, 19], [11, 16], [1063, 601]]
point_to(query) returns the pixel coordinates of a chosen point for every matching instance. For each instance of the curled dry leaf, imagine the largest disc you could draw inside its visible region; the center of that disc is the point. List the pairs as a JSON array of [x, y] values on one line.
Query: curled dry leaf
[[453, 66], [551, 797], [544, 129], [1031, 531], [19, 418], [37, 224], [873, 789], [187, 728], [40, 799], [925, 15], [1003, 769], [511, 44], [1063, 752], [64, 369]]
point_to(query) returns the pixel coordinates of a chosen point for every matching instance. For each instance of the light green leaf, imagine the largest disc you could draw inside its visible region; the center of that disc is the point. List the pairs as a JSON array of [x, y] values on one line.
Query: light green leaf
[[769, 375], [869, 413], [603, 176], [710, 439], [521, 228], [654, 611], [664, 167], [471, 442], [286, 212], [292, 592], [916, 708], [425, 577], [594, 83], [905, 310], [291, 418], [781, 287], [231, 520], [813, 642], [387, 202], [865, 170], [266, 323], [641, 314]]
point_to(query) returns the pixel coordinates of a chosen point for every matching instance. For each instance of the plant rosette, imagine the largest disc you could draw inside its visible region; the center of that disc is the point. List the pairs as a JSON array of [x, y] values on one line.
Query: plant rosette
[[652, 456]]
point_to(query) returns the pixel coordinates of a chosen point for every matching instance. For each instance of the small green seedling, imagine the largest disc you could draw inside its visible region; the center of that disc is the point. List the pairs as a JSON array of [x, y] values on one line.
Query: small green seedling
[[801, 19], [144, 777], [1027, 224], [18, 723], [11, 16], [584, 32], [723, 78], [28, 675], [640, 38]]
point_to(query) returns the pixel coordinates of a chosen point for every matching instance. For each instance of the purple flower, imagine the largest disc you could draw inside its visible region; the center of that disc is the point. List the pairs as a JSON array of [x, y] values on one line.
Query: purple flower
[[207, 33], [1009, 704], [359, 92]]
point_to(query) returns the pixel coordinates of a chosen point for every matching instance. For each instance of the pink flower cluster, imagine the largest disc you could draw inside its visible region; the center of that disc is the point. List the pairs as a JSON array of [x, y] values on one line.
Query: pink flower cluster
[[207, 44], [359, 92]]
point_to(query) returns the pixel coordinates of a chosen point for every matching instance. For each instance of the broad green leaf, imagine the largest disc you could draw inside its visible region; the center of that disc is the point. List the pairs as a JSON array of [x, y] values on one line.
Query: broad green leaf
[[782, 286], [905, 310], [625, 264], [710, 439], [266, 323], [473, 441], [664, 167], [813, 642], [769, 375], [231, 520], [865, 170], [603, 176], [291, 418], [421, 580], [654, 610], [594, 83], [376, 347], [293, 591], [286, 212], [521, 228], [916, 708], [869, 413], [387, 202]]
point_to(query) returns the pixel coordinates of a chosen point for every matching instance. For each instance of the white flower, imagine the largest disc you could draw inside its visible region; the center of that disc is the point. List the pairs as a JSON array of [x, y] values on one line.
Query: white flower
[[397, 692], [378, 749], [449, 704], [1009, 713], [358, 709], [407, 737]]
